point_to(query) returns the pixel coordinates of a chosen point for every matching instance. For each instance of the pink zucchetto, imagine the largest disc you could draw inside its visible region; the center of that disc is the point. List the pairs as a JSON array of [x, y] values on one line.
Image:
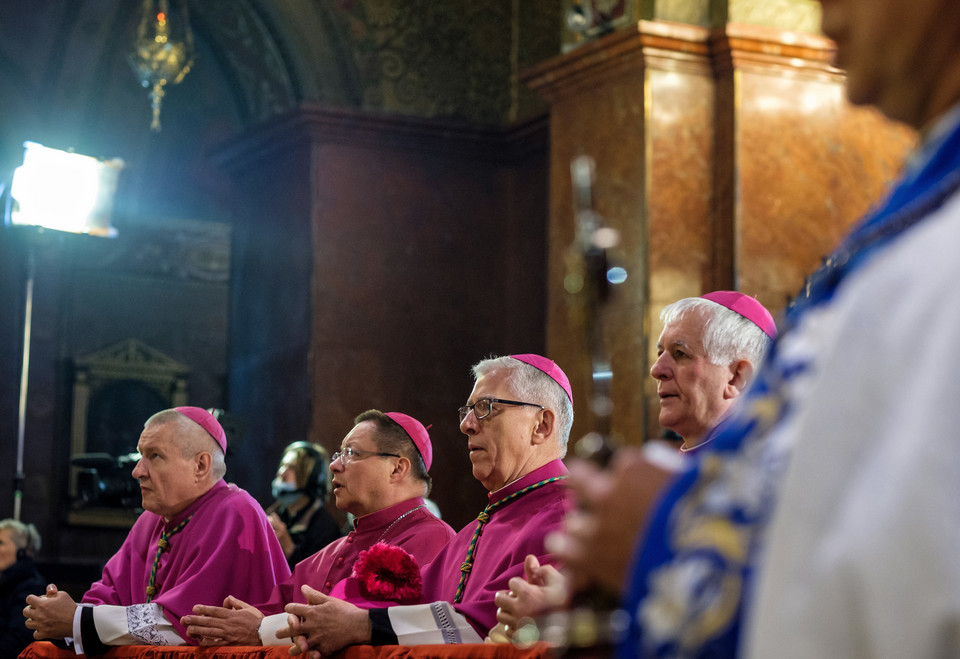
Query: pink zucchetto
[[206, 421], [747, 307], [549, 367], [417, 433]]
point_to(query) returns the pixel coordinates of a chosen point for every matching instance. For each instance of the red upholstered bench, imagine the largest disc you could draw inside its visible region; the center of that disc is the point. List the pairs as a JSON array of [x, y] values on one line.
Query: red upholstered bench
[[44, 650]]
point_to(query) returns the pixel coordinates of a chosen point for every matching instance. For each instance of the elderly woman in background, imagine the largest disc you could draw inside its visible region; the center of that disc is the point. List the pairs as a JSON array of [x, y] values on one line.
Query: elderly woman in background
[[19, 543]]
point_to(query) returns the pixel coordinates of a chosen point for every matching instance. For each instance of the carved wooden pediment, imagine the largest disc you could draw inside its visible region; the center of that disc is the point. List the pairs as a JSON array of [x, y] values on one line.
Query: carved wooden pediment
[[115, 389], [131, 359]]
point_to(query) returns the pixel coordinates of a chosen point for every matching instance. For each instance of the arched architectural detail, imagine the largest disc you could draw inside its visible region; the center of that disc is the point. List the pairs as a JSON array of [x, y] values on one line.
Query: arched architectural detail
[[277, 54]]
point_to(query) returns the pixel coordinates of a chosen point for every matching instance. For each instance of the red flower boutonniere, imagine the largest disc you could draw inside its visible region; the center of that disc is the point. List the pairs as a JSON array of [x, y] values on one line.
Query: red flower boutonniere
[[388, 573]]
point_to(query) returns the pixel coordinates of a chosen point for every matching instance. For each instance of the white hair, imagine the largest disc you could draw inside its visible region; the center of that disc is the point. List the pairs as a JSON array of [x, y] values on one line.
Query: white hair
[[727, 336], [24, 536], [191, 439], [530, 384]]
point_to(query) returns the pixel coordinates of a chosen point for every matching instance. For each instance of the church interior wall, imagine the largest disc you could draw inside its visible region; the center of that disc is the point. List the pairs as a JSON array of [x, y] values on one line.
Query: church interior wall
[[391, 183]]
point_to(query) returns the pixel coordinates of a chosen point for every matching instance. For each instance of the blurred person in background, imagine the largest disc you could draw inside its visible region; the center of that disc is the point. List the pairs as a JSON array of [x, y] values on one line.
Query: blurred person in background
[[298, 514], [19, 543]]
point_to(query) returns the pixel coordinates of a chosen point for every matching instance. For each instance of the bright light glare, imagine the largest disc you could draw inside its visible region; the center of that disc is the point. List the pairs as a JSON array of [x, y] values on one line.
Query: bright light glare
[[64, 191]]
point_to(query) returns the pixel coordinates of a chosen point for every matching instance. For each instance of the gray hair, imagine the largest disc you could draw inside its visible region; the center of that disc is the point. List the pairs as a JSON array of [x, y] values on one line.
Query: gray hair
[[24, 536], [727, 336], [191, 439], [530, 384]]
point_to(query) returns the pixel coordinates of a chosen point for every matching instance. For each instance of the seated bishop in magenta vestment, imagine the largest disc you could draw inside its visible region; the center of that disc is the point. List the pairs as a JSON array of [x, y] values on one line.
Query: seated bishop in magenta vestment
[[408, 525], [517, 422], [198, 540], [380, 476], [227, 547]]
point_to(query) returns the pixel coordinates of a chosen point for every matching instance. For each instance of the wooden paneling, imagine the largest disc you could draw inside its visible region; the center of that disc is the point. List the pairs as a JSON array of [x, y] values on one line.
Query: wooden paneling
[[420, 245]]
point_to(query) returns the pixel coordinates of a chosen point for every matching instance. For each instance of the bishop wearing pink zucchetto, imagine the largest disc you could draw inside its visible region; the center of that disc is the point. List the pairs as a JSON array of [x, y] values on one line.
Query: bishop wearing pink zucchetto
[[708, 352], [196, 534], [380, 475], [517, 421]]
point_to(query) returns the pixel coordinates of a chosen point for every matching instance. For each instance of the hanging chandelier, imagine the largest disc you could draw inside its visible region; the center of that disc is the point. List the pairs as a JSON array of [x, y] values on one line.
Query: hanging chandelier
[[163, 51]]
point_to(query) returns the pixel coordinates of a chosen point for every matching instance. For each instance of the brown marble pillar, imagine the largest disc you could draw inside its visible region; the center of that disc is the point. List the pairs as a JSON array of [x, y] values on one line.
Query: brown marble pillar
[[728, 159], [379, 257], [806, 163]]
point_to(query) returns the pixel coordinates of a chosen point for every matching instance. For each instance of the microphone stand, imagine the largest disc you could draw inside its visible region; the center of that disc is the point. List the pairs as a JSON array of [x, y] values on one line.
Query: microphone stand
[[594, 624], [588, 263]]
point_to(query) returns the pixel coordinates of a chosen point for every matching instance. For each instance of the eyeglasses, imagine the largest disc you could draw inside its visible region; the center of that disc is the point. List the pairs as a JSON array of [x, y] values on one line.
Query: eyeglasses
[[350, 454], [484, 406]]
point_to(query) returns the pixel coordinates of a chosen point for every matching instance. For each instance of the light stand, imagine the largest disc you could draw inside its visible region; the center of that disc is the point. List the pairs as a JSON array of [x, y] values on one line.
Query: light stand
[[24, 376], [60, 191]]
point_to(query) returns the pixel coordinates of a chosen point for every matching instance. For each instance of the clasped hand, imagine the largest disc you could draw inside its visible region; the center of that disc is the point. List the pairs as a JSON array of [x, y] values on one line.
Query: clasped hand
[[324, 624], [541, 589], [235, 623], [50, 615]]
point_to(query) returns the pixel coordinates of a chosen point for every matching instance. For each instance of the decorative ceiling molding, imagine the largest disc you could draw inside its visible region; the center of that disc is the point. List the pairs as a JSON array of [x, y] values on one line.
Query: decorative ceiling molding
[[311, 126], [250, 55]]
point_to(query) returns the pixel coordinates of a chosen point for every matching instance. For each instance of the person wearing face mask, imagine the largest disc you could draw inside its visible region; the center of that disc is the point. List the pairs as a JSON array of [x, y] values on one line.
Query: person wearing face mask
[[298, 514]]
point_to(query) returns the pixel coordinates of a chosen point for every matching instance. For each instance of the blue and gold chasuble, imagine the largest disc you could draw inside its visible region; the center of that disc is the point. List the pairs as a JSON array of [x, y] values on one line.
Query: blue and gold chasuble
[[691, 580]]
